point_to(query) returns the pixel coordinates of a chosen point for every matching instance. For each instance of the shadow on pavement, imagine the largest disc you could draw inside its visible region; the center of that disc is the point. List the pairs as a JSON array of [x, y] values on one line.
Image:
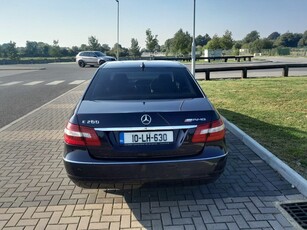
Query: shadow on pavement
[[246, 181], [297, 139]]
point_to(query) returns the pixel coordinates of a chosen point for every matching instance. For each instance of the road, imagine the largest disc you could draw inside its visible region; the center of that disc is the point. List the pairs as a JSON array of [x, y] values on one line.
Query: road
[[24, 88]]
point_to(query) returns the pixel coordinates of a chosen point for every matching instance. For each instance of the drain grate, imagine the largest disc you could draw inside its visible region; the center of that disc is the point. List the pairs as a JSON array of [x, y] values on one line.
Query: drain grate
[[298, 211]]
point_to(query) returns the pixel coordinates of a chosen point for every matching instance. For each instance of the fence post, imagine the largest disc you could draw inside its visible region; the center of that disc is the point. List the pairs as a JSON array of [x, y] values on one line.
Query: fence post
[[285, 71], [244, 73], [207, 75]]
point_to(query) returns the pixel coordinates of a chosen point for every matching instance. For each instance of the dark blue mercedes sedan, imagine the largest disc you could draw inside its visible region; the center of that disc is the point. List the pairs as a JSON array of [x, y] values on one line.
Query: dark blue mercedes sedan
[[143, 121]]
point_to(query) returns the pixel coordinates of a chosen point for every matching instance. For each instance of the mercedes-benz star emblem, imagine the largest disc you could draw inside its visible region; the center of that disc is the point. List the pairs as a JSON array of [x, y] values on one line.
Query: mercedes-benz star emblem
[[146, 119]]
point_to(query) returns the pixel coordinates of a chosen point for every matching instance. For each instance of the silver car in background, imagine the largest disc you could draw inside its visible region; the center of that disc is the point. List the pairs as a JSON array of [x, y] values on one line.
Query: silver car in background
[[92, 58]]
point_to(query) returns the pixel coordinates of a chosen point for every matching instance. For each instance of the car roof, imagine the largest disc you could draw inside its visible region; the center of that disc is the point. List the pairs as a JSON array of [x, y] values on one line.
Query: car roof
[[139, 63], [90, 51]]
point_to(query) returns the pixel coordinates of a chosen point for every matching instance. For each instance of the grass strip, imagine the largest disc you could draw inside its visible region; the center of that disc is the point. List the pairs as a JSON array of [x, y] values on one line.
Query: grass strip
[[271, 110]]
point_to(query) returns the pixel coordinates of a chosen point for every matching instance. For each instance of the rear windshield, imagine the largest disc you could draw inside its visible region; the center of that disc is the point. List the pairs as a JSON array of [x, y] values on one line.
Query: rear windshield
[[138, 84]]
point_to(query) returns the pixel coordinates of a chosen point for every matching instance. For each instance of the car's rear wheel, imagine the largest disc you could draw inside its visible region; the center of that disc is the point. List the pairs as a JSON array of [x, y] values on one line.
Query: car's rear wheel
[[101, 62], [81, 64]]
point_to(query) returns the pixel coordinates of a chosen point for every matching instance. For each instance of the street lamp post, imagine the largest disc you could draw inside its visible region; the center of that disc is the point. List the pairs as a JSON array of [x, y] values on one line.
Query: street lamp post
[[193, 43], [117, 52]]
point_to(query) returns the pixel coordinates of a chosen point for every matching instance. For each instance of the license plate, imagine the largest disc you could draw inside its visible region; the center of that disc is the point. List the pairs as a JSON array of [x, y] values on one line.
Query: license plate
[[146, 137]]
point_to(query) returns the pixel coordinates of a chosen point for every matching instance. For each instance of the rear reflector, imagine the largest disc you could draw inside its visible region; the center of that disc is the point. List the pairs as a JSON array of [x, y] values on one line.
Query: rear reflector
[[80, 135], [213, 131]]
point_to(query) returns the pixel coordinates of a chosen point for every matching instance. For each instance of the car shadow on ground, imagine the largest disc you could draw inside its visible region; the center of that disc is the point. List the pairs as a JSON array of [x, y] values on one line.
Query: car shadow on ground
[[246, 182], [275, 133], [245, 175]]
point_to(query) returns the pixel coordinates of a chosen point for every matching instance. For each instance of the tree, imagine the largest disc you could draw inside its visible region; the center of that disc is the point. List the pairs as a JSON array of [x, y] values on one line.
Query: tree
[[168, 46], [9, 50], [74, 50], [303, 41], [202, 40], [93, 43], [43, 49], [31, 49], [151, 41], [236, 47], [255, 46], [267, 43], [21, 51], [84, 47], [288, 40], [105, 48], [258, 45], [251, 37], [214, 43], [226, 41], [55, 49], [123, 52], [181, 43], [273, 36], [134, 50]]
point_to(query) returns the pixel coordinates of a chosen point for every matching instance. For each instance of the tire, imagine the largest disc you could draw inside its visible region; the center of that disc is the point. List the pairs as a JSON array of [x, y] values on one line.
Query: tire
[[101, 62], [81, 64]]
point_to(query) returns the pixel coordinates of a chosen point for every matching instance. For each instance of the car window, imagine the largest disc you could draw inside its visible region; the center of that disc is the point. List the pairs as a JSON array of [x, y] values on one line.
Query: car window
[[99, 54], [135, 84]]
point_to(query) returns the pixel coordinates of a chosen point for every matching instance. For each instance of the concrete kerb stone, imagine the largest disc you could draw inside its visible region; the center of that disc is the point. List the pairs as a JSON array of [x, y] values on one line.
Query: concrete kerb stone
[[283, 169], [22, 68]]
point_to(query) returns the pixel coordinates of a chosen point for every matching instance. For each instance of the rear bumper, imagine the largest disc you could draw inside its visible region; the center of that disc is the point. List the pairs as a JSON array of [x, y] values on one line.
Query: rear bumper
[[82, 169]]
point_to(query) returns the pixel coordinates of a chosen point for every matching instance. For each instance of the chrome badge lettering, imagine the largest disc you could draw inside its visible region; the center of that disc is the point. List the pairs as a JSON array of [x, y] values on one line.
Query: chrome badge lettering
[[90, 122], [188, 120]]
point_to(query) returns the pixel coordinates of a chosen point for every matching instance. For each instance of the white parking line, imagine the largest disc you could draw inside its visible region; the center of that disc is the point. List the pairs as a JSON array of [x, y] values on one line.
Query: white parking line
[[33, 83], [77, 82], [55, 82], [11, 83]]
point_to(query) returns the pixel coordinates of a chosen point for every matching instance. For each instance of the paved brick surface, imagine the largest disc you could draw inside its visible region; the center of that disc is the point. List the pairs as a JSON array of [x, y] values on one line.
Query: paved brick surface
[[36, 194]]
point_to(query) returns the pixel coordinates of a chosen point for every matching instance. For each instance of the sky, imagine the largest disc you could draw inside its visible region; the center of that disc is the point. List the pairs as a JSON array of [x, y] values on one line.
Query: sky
[[73, 21]]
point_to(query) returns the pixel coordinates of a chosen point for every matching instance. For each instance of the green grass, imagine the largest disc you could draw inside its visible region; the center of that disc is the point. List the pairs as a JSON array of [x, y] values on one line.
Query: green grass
[[271, 110]]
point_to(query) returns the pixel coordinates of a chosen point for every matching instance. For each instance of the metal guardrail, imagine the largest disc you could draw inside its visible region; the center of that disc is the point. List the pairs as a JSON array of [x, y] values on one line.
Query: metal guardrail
[[244, 68], [225, 58]]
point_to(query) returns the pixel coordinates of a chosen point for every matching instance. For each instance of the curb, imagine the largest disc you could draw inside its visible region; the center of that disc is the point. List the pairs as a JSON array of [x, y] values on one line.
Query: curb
[[283, 169], [42, 68]]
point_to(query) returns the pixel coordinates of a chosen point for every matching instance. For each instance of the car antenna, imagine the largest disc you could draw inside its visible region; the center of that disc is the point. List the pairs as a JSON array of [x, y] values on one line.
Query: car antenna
[[143, 66]]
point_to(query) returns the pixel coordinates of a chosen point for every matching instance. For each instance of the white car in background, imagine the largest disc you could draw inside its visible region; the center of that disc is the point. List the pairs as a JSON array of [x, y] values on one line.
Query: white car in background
[[92, 58]]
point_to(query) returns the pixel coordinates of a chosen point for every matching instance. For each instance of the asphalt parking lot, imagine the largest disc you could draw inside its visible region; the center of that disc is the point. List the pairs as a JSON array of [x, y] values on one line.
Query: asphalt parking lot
[[36, 194]]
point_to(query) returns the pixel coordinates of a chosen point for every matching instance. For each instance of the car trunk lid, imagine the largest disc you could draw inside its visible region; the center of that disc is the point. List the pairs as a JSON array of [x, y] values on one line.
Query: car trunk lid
[[114, 120]]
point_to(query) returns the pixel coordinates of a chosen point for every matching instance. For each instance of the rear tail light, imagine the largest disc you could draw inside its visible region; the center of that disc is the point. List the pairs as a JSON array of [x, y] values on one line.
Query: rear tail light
[[213, 131], [80, 135]]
